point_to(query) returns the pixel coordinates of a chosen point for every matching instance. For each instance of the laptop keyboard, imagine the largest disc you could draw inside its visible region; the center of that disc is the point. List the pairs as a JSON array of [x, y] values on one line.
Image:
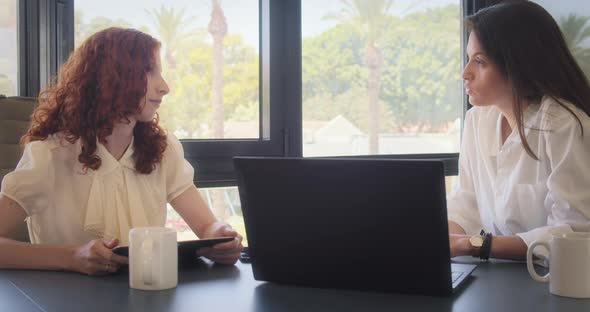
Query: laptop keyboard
[[455, 276]]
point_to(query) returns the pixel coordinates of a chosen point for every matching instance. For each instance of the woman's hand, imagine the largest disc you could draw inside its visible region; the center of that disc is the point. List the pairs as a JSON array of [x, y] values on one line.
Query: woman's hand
[[224, 253], [460, 245], [96, 257]]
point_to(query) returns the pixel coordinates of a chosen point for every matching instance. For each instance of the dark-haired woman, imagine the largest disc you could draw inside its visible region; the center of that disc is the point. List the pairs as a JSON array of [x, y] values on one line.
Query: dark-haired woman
[[524, 169], [96, 163]]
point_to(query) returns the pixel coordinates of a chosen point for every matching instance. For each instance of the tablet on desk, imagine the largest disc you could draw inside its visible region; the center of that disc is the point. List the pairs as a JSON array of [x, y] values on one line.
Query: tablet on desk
[[185, 248]]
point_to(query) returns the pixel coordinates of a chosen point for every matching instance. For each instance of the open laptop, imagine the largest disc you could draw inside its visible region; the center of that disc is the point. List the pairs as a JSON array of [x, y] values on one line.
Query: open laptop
[[366, 224]]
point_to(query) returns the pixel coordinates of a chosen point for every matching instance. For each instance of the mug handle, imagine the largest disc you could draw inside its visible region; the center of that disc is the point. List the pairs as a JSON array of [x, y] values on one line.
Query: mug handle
[[531, 267], [146, 253]]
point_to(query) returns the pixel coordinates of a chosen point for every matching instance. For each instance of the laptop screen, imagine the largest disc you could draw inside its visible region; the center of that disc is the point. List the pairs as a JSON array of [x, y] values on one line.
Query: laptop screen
[[374, 224]]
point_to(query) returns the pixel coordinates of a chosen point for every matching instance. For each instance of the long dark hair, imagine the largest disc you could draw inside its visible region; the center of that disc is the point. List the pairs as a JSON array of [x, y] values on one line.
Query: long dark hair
[[525, 42], [102, 82]]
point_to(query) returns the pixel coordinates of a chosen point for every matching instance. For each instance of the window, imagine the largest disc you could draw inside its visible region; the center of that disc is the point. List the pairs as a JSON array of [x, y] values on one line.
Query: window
[[209, 58], [225, 204], [573, 19], [9, 51], [381, 79]]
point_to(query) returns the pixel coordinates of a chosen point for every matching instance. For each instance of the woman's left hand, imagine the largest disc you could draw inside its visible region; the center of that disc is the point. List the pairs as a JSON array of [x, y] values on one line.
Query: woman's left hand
[[224, 253]]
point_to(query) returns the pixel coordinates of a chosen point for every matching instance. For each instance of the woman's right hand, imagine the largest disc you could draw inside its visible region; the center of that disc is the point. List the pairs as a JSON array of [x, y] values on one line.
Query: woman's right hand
[[96, 257]]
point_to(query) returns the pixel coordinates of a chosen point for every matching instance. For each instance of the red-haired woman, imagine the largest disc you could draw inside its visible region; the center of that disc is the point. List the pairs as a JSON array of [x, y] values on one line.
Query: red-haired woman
[[96, 163]]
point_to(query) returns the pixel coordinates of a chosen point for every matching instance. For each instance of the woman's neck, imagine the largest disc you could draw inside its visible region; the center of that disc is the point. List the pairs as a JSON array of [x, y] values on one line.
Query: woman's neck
[[119, 140], [507, 114], [508, 118]]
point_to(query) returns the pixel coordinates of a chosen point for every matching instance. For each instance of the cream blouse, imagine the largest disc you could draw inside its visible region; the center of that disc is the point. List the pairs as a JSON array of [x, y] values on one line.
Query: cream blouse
[[65, 205], [502, 190]]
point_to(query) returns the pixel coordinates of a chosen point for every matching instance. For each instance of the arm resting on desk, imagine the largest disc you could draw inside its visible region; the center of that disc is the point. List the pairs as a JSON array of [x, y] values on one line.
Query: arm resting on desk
[[503, 247], [20, 255], [93, 258], [195, 212]]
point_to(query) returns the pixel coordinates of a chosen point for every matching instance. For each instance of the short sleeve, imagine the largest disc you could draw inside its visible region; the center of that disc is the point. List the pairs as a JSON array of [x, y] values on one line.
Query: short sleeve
[[179, 172], [31, 183], [462, 203]]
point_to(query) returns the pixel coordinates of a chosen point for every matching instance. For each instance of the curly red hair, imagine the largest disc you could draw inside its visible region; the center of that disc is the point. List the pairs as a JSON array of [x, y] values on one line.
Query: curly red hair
[[102, 83]]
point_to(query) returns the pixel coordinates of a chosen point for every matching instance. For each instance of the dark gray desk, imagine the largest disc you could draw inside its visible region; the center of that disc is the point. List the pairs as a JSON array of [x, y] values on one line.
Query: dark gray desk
[[495, 286]]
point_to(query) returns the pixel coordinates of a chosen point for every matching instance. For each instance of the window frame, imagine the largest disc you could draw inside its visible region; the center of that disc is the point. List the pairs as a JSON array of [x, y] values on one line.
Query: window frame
[[28, 48], [279, 67], [45, 41]]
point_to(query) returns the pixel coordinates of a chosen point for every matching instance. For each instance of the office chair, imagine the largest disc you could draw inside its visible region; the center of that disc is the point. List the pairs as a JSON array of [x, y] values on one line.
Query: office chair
[[15, 115]]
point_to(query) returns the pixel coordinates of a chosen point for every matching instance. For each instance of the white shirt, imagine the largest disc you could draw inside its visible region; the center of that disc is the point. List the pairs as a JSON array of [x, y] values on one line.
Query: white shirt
[[65, 205], [502, 190]]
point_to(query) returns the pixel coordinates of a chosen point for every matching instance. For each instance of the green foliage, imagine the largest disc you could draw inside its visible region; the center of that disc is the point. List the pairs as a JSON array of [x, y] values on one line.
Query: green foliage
[[351, 104], [187, 67], [576, 32], [84, 30], [332, 62], [420, 84], [172, 27], [370, 18], [421, 81], [188, 106]]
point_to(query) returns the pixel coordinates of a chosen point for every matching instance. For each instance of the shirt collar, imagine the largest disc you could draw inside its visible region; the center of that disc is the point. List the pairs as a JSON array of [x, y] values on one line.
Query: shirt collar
[[530, 121], [109, 163]]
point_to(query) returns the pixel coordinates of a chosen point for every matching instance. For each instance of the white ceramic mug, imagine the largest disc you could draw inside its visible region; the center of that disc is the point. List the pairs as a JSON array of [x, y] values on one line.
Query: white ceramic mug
[[153, 258], [569, 264]]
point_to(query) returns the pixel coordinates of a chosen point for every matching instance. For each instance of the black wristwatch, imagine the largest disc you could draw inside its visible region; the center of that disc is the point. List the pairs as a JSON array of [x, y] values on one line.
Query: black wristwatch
[[486, 247]]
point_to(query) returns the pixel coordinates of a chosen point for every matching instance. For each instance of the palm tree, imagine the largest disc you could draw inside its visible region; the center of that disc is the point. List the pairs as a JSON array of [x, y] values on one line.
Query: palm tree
[[171, 27], [217, 29], [370, 19], [576, 32]]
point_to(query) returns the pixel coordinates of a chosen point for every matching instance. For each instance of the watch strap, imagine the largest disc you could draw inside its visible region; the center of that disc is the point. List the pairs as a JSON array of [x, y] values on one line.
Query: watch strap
[[486, 247]]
